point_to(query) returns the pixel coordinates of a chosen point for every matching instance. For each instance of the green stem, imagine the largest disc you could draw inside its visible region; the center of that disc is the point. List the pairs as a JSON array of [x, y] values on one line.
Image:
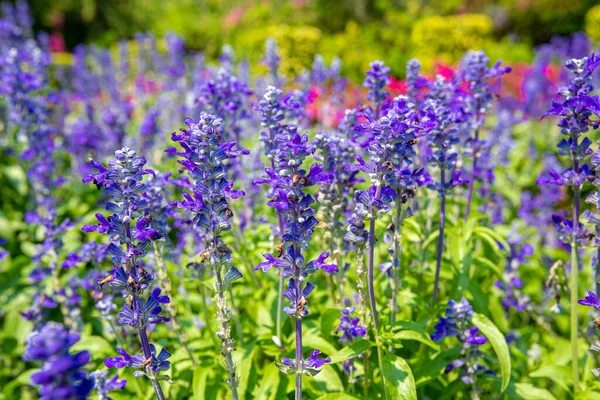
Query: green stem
[[227, 343], [399, 220], [122, 345], [236, 316], [207, 318], [574, 293], [279, 308], [166, 283], [371, 292]]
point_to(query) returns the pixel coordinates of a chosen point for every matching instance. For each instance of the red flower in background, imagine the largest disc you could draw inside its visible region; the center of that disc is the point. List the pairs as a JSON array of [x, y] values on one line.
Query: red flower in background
[[397, 86]]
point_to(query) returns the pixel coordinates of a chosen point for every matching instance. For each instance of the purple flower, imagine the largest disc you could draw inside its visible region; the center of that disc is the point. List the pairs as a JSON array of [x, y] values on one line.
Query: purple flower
[[473, 338], [313, 361], [349, 325], [319, 263], [590, 300], [130, 229], [126, 360], [61, 375], [298, 300], [104, 386], [457, 323], [377, 80]]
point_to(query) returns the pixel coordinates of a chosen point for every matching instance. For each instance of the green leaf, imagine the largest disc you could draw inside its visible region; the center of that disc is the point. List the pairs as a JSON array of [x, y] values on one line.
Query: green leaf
[[328, 380], [311, 341], [494, 268], [268, 386], [328, 320], [557, 374], [245, 366], [456, 246], [418, 336], [199, 382], [23, 379], [414, 325], [96, 345], [525, 391], [465, 275], [587, 395], [431, 239], [491, 237], [354, 350], [498, 342], [434, 367], [398, 379], [337, 396]]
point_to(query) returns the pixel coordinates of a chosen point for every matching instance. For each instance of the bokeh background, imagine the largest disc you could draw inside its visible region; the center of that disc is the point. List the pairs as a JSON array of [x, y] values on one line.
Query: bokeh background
[[533, 37], [356, 31]]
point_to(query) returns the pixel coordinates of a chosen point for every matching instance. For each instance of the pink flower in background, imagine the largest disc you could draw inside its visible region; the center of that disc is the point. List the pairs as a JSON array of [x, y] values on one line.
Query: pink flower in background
[[56, 42]]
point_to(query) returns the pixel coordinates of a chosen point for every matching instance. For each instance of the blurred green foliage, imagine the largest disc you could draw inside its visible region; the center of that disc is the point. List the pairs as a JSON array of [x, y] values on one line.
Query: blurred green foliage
[[537, 21], [448, 38], [592, 24], [357, 31], [298, 46]]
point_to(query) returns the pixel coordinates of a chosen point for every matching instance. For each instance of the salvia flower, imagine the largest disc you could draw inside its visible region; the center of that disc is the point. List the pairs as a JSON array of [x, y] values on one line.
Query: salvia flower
[[103, 386], [591, 300], [155, 363], [272, 60], [335, 150], [226, 97], [288, 180], [349, 325], [62, 375], [479, 79], [130, 234], [377, 80], [206, 156], [310, 366], [457, 323], [511, 284]]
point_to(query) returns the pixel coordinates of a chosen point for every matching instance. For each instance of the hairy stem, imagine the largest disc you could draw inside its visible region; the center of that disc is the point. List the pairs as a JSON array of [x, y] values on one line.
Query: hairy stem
[[597, 266], [279, 307], [236, 316], [472, 180], [166, 281], [399, 220], [371, 289], [574, 280], [227, 343], [299, 360], [121, 344], [148, 354], [207, 317], [362, 299], [440, 247]]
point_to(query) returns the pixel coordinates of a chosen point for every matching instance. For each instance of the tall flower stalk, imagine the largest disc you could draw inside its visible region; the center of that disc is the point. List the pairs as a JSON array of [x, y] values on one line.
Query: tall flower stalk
[[441, 117], [390, 147], [61, 375], [377, 80], [272, 114], [288, 181], [477, 76], [157, 212], [335, 150], [457, 323], [575, 112], [130, 235], [205, 156]]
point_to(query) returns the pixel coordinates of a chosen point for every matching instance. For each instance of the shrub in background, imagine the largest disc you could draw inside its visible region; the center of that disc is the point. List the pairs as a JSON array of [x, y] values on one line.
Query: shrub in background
[[298, 46], [592, 24], [446, 39]]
